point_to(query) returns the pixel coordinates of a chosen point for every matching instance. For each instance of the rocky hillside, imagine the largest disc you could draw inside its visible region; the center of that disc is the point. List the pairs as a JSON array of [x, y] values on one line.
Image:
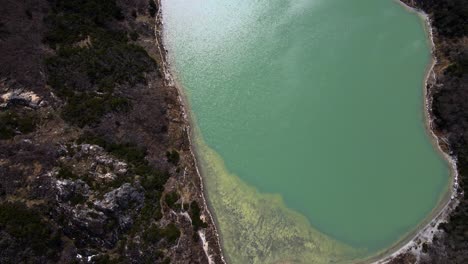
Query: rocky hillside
[[449, 95], [95, 160]]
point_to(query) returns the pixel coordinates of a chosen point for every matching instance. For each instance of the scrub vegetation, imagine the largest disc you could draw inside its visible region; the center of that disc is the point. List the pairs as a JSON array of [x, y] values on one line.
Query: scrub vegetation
[[85, 148], [92, 60], [12, 123], [173, 157], [17, 220], [154, 234], [135, 156]]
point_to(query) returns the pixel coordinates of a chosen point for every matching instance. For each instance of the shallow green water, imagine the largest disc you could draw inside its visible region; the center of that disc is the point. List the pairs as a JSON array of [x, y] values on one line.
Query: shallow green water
[[319, 102]]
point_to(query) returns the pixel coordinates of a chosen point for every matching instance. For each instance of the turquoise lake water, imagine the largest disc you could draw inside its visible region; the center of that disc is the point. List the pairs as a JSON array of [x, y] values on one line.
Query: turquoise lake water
[[310, 124]]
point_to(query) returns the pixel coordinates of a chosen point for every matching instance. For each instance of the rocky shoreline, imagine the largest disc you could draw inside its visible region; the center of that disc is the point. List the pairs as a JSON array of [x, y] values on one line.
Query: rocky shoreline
[[212, 246]]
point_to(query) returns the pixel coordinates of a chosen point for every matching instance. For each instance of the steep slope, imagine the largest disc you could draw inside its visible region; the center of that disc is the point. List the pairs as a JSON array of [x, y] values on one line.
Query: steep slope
[[95, 159]]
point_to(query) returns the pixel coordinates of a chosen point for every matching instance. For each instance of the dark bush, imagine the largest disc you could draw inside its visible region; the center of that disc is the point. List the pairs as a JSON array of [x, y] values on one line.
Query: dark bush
[[84, 109], [101, 259], [150, 211], [197, 223], [154, 234], [26, 225], [153, 8], [171, 198], [152, 180], [72, 20], [92, 59], [134, 35], [78, 198], [450, 16], [11, 122], [173, 157], [171, 232], [66, 173]]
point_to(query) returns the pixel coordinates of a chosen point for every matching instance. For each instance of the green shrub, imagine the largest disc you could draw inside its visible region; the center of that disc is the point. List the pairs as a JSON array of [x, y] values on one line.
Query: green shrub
[[171, 233], [85, 76], [134, 35], [150, 212], [26, 225], [152, 180], [153, 8], [10, 122], [65, 172], [171, 198], [173, 157], [70, 20], [78, 198], [154, 234], [197, 223], [101, 259]]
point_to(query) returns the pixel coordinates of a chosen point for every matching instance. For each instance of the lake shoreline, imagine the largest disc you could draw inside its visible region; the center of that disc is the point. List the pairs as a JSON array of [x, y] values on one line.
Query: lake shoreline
[[412, 241], [211, 240], [447, 202]]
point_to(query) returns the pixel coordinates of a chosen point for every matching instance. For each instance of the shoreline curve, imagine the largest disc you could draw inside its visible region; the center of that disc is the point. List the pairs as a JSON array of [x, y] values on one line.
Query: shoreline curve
[[424, 231]]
